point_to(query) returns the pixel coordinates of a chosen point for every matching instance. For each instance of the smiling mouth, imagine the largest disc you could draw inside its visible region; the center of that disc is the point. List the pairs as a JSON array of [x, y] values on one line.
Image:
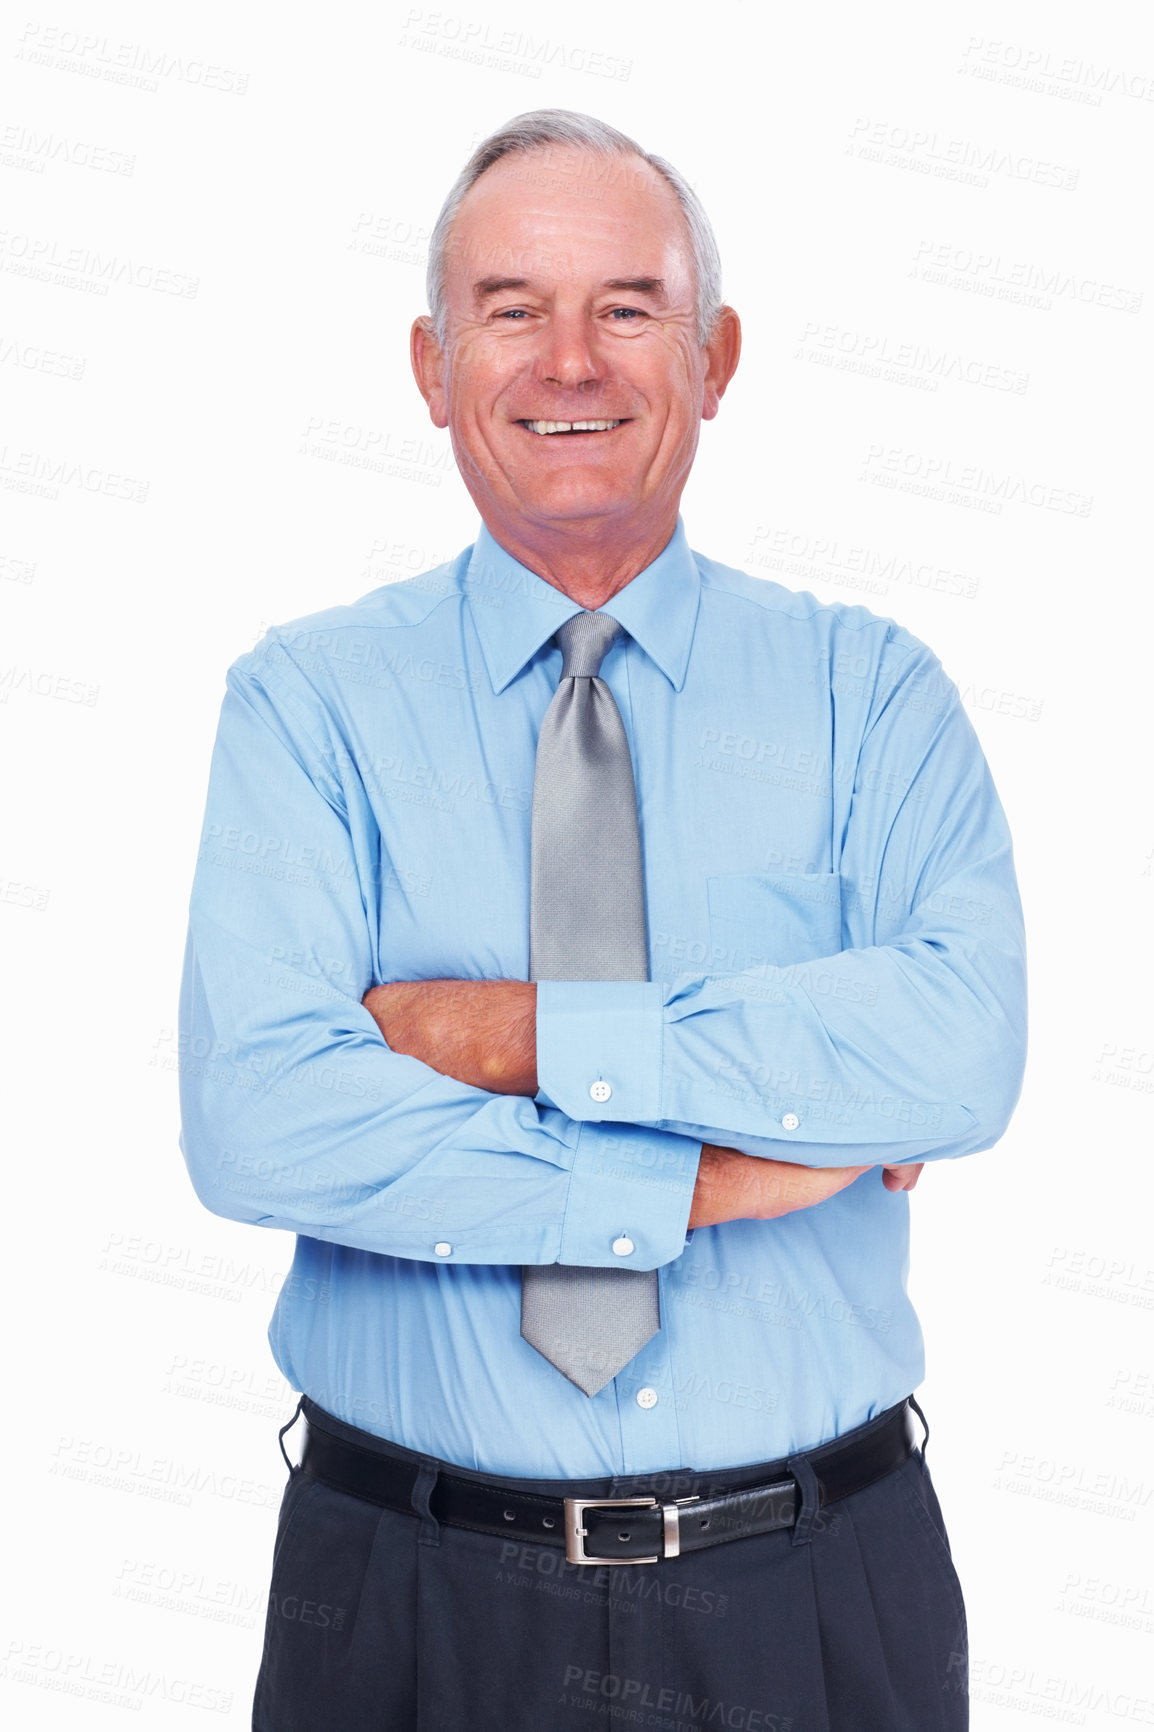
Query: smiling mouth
[[549, 427]]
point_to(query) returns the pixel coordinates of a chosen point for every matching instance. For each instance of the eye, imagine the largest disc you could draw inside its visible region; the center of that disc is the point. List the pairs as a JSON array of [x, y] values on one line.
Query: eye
[[512, 313], [628, 315]]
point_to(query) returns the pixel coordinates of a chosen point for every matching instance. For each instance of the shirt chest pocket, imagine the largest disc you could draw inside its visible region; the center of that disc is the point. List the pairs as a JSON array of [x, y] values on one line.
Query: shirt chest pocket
[[759, 918]]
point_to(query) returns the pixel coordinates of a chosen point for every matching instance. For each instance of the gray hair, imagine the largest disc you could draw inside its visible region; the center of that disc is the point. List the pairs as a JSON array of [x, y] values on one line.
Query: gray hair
[[560, 126]]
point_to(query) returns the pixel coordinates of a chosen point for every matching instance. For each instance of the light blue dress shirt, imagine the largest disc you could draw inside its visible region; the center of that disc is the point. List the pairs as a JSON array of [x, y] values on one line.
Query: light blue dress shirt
[[837, 978]]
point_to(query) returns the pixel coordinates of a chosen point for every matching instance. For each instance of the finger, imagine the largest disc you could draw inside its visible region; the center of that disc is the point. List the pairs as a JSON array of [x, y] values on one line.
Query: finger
[[901, 1178]]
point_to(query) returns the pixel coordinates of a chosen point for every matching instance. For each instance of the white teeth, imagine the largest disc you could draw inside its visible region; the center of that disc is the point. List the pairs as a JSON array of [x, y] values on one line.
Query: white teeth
[[571, 426]]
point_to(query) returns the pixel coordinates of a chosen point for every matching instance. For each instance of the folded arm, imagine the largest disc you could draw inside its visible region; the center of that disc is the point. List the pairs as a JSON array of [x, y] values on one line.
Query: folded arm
[[876, 1013], [484, 1033], [296, 1114]]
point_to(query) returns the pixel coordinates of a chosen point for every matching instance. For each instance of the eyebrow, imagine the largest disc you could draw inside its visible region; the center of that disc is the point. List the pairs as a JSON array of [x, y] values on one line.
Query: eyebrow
[[652, 286], [486, 286]]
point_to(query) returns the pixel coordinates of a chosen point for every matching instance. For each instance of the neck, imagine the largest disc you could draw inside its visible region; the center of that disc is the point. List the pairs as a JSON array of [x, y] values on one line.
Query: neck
[[587, 570]]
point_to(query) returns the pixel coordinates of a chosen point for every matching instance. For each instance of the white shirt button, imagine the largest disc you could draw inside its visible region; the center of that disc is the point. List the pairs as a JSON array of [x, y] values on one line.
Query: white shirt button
[[443, 1248], [647, 1397], [790, 1122], [623, 1247], [600, 1091]]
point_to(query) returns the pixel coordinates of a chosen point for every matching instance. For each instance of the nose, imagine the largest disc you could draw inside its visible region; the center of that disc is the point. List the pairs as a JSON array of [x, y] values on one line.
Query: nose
[[568, 352]]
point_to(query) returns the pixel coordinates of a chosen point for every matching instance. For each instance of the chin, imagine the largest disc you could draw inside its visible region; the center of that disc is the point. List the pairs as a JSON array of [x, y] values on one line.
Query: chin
[[570, 502]]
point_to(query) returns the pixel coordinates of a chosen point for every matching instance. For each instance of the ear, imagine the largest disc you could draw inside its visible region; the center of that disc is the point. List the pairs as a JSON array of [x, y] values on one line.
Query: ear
[[722, 353], [428, 360]]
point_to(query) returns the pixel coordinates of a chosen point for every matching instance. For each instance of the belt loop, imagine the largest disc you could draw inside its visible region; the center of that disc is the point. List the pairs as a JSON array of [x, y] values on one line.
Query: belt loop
[[925, 1425], [430, 1534], [799, 1467], [280, 1437]]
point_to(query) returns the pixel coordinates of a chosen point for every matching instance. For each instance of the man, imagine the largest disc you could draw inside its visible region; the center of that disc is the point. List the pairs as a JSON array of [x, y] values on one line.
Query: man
[[597, 941]]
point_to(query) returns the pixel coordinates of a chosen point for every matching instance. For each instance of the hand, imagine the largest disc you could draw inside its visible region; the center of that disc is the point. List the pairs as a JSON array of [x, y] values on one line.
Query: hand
[[736, 1187], [481, 1032], [901, 1178]]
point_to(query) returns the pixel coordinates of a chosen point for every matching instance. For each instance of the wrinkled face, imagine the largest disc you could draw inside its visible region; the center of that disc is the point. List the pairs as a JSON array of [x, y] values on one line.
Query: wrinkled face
[[572, 379]]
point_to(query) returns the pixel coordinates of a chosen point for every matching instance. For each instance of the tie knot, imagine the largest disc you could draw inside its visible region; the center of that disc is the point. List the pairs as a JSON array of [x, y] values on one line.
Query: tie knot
[[585, 641]]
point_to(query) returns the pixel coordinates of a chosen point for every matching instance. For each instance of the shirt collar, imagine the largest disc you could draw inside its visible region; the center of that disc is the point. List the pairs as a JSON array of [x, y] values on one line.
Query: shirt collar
[[515, 612]]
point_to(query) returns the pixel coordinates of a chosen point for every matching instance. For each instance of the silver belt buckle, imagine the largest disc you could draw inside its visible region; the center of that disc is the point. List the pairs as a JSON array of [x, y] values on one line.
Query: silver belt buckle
[[575, 1532]]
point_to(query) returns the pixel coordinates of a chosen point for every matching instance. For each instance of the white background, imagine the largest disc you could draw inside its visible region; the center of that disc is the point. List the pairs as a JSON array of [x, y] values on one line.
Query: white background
[[935, 223]]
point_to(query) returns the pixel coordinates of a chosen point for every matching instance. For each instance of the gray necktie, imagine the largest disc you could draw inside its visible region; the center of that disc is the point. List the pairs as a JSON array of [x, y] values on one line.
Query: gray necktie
[[587, 922]]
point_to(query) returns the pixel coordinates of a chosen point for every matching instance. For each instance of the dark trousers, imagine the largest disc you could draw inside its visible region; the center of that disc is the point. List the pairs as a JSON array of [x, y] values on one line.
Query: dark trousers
[[851, 1622]]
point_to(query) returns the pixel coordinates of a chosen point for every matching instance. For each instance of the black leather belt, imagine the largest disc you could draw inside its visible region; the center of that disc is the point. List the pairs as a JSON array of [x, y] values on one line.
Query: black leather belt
[[617, 1530]]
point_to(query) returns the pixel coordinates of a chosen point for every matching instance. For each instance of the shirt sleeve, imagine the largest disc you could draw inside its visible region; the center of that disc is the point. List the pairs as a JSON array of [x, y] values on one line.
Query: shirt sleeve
[[295, 1113], [903, 1039]]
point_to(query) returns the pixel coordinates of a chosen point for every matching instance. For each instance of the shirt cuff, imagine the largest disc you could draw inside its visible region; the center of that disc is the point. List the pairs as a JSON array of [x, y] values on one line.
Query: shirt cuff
[[599, 1048], [629, 1198]]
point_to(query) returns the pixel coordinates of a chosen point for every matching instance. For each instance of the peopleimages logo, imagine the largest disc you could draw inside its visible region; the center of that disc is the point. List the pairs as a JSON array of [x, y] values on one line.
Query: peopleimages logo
[[114, 1683], [485, 44], [51, 260], [621, 1698], [1023, 282], [1041, 70], [135, 64], [959, 159]]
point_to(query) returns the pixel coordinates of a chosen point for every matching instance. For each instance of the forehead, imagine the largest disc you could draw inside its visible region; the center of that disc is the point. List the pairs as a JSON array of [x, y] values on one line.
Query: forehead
[[552, 214]]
